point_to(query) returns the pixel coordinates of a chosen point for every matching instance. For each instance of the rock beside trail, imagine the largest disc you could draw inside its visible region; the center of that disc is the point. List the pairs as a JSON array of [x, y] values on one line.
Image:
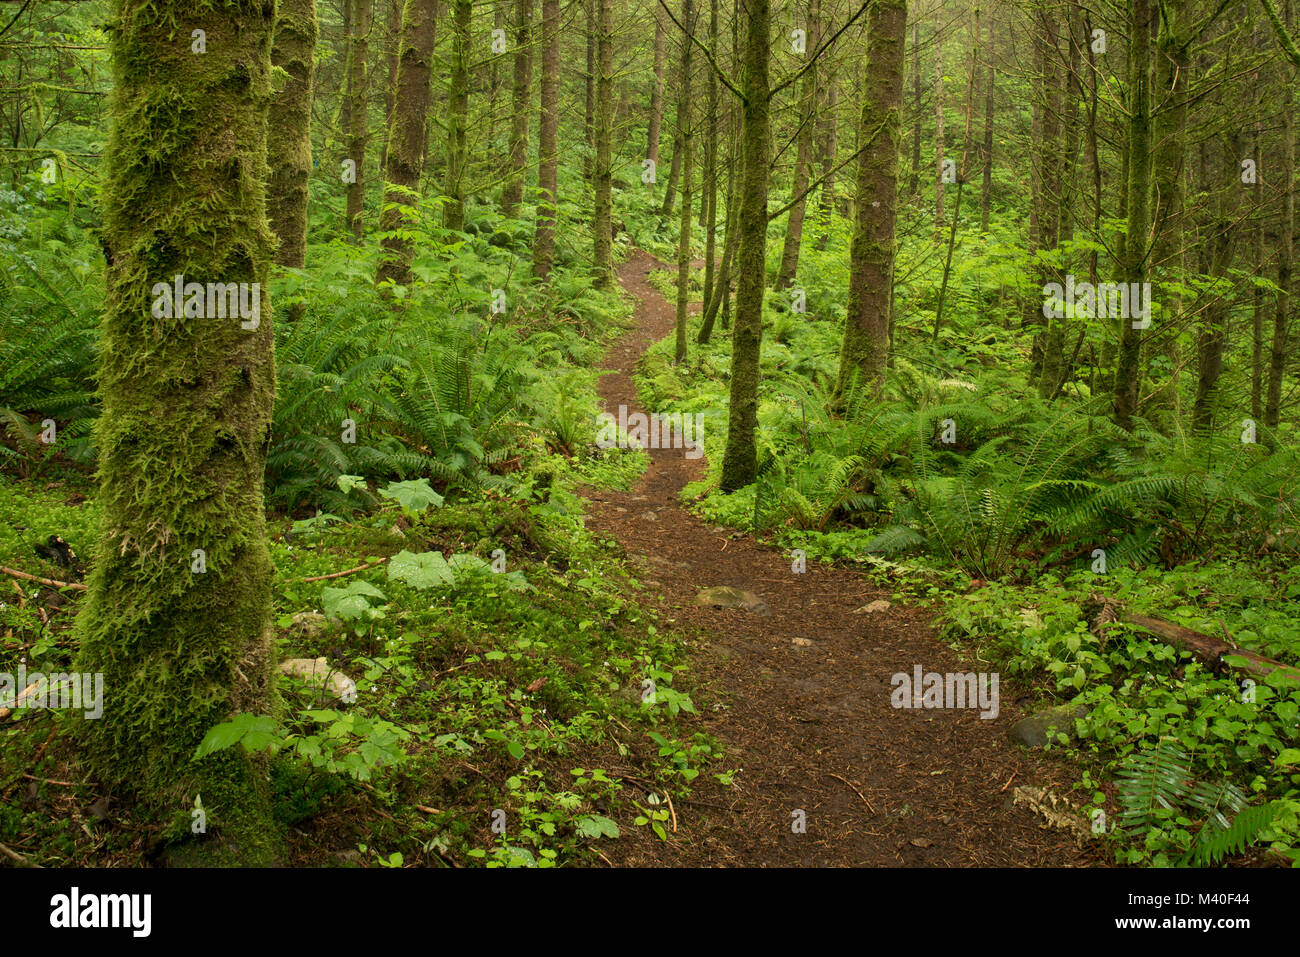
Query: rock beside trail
[[317, 671], [724, 596], [1032, 732]]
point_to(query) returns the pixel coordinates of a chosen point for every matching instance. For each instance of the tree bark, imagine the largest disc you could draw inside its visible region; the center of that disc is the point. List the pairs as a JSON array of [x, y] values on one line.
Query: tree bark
[[865, 350], [289, 130], [512, 193], [603, 222], [182, 637], [1138, 199], [408, 139], [358, 118], [453, 213], [803, 156], [740, 460], [548, 142], [685, 131]]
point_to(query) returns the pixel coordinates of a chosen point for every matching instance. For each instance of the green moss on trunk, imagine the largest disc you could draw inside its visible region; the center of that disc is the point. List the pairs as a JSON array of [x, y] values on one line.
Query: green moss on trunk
[[185, 423]]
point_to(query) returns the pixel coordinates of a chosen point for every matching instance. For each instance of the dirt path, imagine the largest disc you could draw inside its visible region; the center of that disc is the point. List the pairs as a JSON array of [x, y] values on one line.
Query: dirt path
[[800, 698]]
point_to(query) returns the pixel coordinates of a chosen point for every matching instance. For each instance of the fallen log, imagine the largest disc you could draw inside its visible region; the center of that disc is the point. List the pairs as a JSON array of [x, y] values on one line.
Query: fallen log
[[1211, 650]]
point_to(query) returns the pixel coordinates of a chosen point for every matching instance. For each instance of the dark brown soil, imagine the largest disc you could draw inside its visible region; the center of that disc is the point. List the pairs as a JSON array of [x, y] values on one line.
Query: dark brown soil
[[810, 724]]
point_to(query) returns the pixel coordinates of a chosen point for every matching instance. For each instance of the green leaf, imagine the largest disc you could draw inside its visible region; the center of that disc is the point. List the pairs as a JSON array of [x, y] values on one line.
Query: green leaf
[[414, 496], [256, 731], [593, 825], [423, 571]]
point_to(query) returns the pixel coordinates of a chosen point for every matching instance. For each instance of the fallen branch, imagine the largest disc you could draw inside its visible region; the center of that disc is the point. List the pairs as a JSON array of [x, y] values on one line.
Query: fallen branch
[[75, 586], [1214, 651], [15, 856], [321, 578]]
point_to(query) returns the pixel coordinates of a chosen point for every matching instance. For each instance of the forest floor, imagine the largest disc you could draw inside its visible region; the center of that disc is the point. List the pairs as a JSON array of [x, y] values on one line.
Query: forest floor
[[799, 697]]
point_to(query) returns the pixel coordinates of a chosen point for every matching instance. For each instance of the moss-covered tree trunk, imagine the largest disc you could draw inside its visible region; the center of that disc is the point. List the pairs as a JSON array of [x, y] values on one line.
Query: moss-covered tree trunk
[[939, 211], [986, 184], [865, 351], [548, 142], [657, 91], [512, 194], [1285, 252], [453, 213], [1213, 335], [828, 145], [803, 156], [1138, 193], [288, 147], [358, 114], [177, 617], [684, 231], [710, 185], [740, 460], [674, 174], [408, 138], [602, 222]]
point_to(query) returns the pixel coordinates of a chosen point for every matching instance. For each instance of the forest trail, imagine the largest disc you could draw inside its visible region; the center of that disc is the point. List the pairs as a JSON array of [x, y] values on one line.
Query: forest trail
[[800, 698]]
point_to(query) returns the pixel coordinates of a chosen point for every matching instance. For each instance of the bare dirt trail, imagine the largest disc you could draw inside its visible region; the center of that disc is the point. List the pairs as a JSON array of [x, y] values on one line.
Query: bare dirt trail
[[800, 698]]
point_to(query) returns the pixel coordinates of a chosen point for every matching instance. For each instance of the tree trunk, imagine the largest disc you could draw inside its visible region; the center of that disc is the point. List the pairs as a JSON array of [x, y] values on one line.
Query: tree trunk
[[1285, 251], [289, 131], [914, 185], [938, 116], [674, 173], [603, 221], [740, 461], [358, 129], [684, 233], [711, 167], [177, 615], [829, 147], [1138, 193], [865, 351], [803, 156], [1214, 332], [657, 94], [453, 213], [548, 142], [512, 193], [408, 139], [986, 186], [1257, 311]]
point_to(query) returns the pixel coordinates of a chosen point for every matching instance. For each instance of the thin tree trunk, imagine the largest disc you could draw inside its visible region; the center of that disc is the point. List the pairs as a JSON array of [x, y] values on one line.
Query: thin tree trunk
[[684, 233], [408, 139], [358, 130], [548, 142], [603, 220], [453, 212], [740, 460], [865, 350], [803, 157], [289, 129], [914, 185], [986, 186], [1127, 370], [512, 193], [1282, 317], [657, 93], [829, 148], [711, 166], [938, 116]]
